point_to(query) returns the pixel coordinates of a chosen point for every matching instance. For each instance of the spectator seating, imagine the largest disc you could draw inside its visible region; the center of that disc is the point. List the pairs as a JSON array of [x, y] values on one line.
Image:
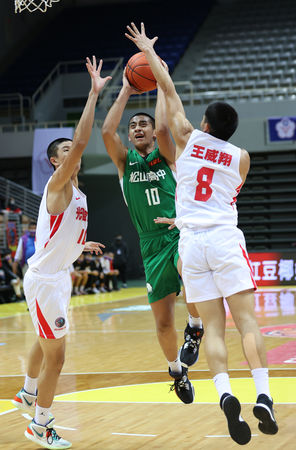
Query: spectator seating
[[247, 47], [267, 202]]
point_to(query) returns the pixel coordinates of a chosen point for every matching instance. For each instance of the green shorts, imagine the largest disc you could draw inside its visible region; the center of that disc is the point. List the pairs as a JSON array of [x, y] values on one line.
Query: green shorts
[[160, 256]]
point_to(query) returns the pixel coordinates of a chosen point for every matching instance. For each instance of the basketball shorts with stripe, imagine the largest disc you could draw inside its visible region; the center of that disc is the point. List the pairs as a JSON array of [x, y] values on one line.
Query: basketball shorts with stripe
[[215, 263], [48, 298]]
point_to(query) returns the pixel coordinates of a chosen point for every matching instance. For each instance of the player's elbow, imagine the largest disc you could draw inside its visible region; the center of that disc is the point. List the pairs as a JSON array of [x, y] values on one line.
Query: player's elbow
[[106, 131], [80, 144], [161, 131]]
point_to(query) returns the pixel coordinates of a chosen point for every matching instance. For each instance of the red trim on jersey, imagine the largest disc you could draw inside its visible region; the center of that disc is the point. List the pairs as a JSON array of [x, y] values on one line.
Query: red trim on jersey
[[41, 334], [56, 225], [55, 222], [249, 264], [237, 192], [44, 328]]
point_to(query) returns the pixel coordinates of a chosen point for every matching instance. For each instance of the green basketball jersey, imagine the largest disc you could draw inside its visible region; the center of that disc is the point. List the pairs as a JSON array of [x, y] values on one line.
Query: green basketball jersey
[[149, 189]]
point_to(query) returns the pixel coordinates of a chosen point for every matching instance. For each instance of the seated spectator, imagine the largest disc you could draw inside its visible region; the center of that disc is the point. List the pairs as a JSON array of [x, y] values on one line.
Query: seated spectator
[[120, 250], [76, 278], [110, 273], [80, 277], [101, 281], [10, 277], [6, 290], [89, 265], [25, 249], [11, 207]]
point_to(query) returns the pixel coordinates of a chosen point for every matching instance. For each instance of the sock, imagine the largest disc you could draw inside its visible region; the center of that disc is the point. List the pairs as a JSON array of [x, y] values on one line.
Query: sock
[[260, 377], [175, 366], [42, 415], [30, 385], [222, 383], [194, 322]]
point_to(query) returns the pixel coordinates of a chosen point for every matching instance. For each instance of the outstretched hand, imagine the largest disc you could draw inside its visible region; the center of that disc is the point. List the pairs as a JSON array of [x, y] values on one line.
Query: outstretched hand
[[91, 247], [139, 38], [171, 222], [97, 82], [128, 86]]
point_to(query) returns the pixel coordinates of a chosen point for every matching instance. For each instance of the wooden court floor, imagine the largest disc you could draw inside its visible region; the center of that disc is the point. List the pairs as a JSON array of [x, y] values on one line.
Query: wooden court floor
[[114, 391]]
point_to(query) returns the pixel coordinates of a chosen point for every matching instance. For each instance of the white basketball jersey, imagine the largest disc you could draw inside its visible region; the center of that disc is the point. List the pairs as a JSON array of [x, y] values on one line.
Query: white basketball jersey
[[208, 182], [59, 239]]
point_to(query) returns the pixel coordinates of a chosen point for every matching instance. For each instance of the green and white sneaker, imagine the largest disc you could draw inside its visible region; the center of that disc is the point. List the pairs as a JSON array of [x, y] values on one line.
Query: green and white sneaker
[[46, 436], [26, 402]]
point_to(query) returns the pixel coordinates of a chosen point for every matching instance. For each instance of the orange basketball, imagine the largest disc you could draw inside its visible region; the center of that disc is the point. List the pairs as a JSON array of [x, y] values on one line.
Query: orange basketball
[[139, 74]]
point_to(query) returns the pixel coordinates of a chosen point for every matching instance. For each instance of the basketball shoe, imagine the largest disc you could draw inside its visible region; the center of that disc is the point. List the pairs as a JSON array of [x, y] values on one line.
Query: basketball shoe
[[26, 402], [263, 411], [182, 386], [46, 436], [190, 349], [239, 430]]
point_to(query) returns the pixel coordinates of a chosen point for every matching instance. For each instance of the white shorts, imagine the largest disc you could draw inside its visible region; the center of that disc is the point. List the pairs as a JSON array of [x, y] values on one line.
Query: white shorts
[[215, 263], [48, 298]]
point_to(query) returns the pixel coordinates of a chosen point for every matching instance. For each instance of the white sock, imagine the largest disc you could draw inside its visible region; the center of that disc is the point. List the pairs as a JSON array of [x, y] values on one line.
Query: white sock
[[194, 322], [175, 366], [261, 380], [222, 383], [30, 385], [42, 415]]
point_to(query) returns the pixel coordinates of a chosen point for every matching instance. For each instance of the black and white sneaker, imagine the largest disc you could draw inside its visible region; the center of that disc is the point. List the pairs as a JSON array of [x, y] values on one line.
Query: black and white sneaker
[[190, 349], [182, 386], [239, 430], [263, 410]]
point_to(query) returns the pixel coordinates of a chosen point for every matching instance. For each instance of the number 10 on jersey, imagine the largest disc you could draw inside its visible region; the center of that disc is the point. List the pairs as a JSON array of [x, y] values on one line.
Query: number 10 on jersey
[[152, 196]]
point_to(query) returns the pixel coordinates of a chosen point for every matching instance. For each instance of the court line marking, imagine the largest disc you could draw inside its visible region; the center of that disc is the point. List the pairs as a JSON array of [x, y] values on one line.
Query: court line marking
[[159, 371], [126, 331], [260, 288], [79, 306], [134, 434], [156, 382], [9, 411], [158, 403]]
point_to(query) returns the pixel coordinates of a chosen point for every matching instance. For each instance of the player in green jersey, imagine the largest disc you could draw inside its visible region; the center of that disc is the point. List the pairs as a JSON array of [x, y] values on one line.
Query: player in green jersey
[[148, 184]]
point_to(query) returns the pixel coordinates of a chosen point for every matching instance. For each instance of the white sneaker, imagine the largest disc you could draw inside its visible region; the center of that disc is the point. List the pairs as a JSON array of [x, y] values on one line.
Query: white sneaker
[[23, 400], [46, 436], [95, 290]]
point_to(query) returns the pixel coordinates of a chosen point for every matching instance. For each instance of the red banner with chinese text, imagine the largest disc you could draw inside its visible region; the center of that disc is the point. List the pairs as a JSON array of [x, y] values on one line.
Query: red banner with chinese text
[[273, 268]]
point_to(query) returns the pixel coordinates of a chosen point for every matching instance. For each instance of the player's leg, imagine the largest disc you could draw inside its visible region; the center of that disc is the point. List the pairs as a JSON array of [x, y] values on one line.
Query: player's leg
[[25, 399], [41, 430], [212, 313], [193, 332], [164, 315], [243, 312], [54, 356]]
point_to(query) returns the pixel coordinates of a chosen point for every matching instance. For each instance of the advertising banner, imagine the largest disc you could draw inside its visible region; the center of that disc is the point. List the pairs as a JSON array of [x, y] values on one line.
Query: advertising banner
[[273, 268]]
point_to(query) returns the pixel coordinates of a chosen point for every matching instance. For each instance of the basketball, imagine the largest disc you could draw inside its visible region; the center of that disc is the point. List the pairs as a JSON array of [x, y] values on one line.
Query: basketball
[[139, 73]]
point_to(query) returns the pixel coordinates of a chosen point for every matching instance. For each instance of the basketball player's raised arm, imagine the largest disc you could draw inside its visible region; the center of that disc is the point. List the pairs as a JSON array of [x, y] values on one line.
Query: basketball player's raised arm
[[165, 143], [114, 146], [244, 165], [180, 127], [84, 128]]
